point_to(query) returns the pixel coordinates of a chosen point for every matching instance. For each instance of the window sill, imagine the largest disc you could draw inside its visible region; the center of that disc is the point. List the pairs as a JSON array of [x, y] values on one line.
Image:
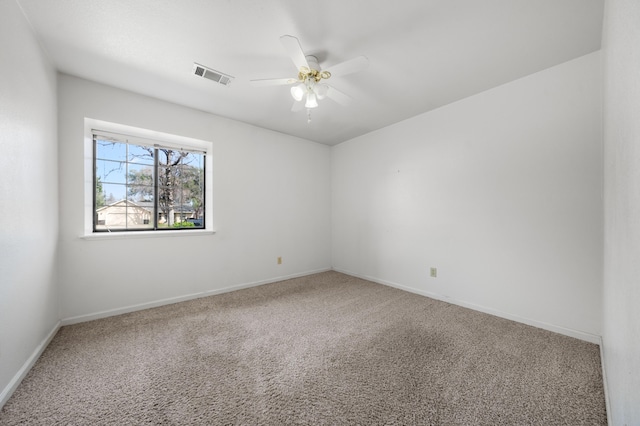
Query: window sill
[[145, 234]]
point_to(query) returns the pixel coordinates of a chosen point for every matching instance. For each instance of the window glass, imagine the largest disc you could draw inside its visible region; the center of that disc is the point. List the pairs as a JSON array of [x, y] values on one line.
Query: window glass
[[133, 191]]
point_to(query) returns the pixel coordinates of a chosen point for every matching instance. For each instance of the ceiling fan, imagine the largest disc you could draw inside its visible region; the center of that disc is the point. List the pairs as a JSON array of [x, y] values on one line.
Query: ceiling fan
[[310, 86]]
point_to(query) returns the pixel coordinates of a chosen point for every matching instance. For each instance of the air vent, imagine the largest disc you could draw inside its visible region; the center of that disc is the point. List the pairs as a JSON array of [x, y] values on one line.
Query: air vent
[[217, 76]]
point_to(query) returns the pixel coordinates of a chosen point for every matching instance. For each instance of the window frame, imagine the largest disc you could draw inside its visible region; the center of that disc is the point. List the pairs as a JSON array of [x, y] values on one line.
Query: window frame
[[148, 138]]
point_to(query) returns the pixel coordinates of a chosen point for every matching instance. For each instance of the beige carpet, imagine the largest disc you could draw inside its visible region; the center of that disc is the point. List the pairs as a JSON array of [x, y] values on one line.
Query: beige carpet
[[327, 349]]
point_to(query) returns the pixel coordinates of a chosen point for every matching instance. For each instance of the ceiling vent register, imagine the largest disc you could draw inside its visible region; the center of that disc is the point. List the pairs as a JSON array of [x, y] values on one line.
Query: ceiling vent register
[[211, 74]]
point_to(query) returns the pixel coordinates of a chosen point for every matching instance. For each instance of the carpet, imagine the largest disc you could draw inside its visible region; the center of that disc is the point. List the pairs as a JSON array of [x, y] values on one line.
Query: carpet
[[325, 349]]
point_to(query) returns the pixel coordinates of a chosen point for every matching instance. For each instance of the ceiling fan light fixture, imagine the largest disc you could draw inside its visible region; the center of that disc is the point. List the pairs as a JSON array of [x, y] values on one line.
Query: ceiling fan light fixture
[[298, 92], [312, 102], [321, 91], [309, 85]]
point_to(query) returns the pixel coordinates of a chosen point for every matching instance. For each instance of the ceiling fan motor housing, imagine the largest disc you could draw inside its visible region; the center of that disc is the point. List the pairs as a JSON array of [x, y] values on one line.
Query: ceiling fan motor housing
[[314, 71]]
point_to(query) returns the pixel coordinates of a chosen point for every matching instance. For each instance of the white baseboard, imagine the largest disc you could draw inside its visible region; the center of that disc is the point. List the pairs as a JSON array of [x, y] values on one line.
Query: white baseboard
[[162, 302], [604, 381], [588, 337], [24, 370]]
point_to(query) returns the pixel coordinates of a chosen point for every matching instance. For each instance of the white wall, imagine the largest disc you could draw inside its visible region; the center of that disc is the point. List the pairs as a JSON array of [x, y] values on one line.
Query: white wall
[[271, 197], [500, 191], [621, 41], [28, 198]]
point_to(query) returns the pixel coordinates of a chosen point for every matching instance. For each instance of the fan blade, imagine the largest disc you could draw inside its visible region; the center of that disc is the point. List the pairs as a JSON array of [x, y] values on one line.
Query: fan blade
[[349, 67], [273, 82], [336, 95], [294, 50], [297, 106]]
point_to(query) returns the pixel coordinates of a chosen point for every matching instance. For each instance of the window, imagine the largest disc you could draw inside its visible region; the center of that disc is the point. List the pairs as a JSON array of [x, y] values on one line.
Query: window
[[142, 184]]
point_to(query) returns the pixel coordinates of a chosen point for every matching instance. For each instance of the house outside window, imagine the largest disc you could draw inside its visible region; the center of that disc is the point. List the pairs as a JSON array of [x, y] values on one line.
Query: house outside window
[[145, 185]]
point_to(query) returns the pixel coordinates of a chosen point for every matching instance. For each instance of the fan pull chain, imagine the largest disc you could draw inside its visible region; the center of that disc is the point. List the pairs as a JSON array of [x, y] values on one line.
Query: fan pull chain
[[308, 115]]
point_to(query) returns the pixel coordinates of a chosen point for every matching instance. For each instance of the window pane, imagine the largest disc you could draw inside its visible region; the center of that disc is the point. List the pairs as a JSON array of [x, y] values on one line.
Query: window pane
[[141, 195], [138, 217], [146, 203], [183, 224], [112, 216], [194, 160], [111, 150], [108, 171], [128, 182], [164, 156], [123, 215], [114, 192], [166, 176], [165, 204], [141, 154], [140, 182]]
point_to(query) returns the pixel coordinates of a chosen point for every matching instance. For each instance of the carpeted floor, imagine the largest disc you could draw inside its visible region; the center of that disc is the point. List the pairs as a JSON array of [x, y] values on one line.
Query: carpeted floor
[[327, 349]]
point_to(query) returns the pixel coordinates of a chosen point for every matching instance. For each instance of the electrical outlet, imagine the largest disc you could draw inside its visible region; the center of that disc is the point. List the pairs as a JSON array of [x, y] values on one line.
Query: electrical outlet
[[434, 272], [279, 260]]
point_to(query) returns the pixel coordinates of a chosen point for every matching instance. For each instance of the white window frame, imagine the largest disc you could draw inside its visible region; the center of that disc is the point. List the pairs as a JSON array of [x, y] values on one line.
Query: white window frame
[[166, 139]]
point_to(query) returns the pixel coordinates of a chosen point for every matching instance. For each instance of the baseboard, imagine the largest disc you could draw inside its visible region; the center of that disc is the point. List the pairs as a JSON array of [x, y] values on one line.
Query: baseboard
[[605, 383], [162, 302], [591, 338], [24, 370]]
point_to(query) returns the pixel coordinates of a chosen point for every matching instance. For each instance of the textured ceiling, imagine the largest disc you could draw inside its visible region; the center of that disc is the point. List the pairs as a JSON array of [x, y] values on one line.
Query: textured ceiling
[[422, 53]]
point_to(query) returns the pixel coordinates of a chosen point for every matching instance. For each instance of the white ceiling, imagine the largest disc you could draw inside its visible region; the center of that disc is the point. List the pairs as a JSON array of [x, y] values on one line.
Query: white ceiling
[[422, 53]]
